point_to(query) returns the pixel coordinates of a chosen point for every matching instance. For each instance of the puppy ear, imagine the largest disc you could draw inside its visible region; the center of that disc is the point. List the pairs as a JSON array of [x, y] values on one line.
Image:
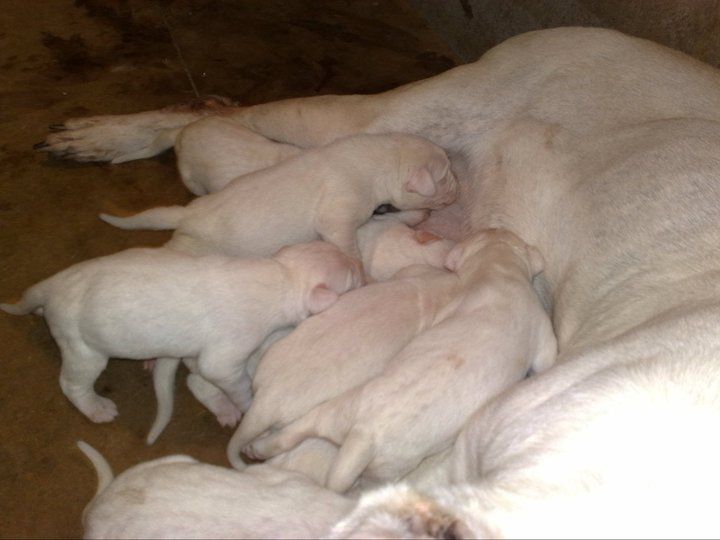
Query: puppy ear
[[536, 260], [421, 182], [452, 261], [320, 299]]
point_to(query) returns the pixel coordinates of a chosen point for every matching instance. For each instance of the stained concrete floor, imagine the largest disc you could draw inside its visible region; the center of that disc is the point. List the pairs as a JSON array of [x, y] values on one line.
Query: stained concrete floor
[[65, 58]]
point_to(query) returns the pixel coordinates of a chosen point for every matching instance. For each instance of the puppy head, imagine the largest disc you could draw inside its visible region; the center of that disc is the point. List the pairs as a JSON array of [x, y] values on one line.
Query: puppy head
[[424, 177], [490, 242], [398, 511], [322, 271]]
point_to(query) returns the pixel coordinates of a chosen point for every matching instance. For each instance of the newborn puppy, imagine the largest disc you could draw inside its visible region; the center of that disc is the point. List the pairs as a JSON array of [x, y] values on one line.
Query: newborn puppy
[[388, 244], [215, 150], [179, 497], [341, 348], [146, 303], [496, 332], [324, 192]]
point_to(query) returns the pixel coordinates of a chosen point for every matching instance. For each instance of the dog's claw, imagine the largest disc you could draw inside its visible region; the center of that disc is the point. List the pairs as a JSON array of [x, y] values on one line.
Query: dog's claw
[[57, 127], [40, 146]]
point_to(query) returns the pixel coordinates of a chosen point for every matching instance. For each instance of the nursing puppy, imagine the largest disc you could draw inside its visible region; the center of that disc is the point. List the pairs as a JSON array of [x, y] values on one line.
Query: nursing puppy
[[322, 193], [179, 497], [497, 330], [341, 348], [389, 244], [626, 219], [213, 151], [143, 303]]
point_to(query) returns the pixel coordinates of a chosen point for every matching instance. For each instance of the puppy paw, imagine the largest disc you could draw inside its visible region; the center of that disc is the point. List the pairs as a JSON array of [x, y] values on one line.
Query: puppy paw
[[101, 410], [227, 413]]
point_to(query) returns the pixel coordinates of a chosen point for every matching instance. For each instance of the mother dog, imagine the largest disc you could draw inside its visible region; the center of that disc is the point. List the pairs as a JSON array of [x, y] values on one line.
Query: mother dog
[[603, 151]]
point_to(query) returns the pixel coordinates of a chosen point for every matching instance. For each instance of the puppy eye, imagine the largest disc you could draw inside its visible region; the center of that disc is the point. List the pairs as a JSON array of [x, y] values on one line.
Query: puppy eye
[[385, 209]]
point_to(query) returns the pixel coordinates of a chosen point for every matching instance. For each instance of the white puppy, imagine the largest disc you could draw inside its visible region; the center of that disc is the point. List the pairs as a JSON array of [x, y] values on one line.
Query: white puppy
[[388, 244], [143, 303], [627, 220], [179, 497], [497, 330], [341, 348], [326, 192], [213, 151]]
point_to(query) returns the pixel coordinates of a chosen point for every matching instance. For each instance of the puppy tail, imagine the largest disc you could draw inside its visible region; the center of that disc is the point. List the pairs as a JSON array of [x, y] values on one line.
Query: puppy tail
[[102, 467], [156, 219], [164, 383], [32, 301]]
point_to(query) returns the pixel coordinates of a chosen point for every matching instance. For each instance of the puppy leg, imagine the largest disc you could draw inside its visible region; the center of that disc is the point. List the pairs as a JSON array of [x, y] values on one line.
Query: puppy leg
[[213, 151], [224, 366], [214, 399], [337, 223], [81, 366], [354, 456], [330, 420]]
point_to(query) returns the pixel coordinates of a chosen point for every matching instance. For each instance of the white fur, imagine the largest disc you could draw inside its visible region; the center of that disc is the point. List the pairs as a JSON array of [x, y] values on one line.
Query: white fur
[[341, 348], [601, 149], [144, 303], [327, 192], [495, 331], [215, 150], [179, 497], [389, 244], [212, 397]]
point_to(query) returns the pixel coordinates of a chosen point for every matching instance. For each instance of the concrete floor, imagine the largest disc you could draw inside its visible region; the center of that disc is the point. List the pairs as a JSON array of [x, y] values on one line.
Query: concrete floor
[[65, 58]]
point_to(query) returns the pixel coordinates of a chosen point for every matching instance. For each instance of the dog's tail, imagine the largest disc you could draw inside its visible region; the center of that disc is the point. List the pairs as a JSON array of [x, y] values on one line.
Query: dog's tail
[[161, 218], [102, 467], [32, 301], [164, 383]]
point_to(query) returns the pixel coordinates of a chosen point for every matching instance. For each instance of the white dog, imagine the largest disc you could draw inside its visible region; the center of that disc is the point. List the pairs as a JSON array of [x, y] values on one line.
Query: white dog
[[601, 150], [341, 348], [388, 244], [495, 332], [214, 151], [143, 303], [179, 497], [328, 193]]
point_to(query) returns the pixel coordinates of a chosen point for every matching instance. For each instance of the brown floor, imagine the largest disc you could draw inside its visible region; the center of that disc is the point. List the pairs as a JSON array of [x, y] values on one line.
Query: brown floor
[[64, 58]]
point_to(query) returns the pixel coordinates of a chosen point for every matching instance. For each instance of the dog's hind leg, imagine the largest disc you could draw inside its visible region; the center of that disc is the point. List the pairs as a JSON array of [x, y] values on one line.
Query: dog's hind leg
[[81, 366], [119, 138]]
